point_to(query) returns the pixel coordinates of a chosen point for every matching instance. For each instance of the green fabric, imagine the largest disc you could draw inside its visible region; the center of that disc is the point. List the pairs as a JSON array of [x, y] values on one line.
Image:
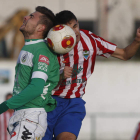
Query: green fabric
[[3, 107], [33, 90], [30, 66]]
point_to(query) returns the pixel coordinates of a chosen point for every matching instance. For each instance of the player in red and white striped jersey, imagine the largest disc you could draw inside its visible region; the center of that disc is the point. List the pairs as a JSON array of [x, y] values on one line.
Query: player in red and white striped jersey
[[75, 68], [82, 60], [4, 120]]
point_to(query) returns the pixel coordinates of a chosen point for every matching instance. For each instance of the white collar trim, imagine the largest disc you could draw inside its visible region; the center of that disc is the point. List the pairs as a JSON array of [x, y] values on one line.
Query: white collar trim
[[34, 42]]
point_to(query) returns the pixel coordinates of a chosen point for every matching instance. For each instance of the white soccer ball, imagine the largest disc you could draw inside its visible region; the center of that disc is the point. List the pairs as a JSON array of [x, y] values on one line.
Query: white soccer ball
[[61, 39]]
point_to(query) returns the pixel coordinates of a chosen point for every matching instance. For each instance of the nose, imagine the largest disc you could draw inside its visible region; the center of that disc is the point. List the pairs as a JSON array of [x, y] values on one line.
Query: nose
[[26, 17]]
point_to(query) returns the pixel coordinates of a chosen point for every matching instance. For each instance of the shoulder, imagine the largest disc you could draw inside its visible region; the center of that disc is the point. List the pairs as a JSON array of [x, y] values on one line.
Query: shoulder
[[44, 49], [88, 33], [43, 52]]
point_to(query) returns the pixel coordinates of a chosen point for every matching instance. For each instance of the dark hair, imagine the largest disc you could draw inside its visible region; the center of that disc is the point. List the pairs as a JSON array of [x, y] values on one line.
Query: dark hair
[[64, 17], [48, 18]]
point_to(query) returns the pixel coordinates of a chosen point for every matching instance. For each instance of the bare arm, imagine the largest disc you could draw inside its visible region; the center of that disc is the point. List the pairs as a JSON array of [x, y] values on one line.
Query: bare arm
[[130, 50]]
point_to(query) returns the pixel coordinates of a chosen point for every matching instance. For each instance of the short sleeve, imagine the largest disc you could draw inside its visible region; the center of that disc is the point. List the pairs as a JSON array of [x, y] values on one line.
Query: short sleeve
[[41, 64], [103, 47]]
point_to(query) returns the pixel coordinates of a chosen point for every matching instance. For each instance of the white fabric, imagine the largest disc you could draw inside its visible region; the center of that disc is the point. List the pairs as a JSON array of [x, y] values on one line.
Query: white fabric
[[34, 42], [25, 58], [28, 124], [39, 74]]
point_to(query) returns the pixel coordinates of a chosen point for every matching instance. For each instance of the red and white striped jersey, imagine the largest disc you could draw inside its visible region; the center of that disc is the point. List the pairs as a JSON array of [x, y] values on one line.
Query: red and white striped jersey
[[4, 120], [82, 60]]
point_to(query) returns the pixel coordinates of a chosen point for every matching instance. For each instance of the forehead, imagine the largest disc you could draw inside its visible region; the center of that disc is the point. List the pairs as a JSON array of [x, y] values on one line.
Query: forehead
[[72, 22], [36, 14]]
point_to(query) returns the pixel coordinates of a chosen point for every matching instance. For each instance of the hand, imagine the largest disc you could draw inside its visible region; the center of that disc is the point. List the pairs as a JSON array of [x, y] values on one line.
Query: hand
[[137, 38], [67, 72]]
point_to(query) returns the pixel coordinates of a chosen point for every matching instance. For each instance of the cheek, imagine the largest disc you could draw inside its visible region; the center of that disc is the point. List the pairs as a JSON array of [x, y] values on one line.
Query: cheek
[[77, 32], [30, 26]]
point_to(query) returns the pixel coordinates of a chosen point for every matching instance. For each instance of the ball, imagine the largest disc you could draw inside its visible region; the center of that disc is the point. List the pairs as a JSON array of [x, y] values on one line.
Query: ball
[[61, 39]]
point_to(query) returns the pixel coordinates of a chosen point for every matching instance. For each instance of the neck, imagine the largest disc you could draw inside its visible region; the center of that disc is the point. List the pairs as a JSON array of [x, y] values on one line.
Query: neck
[[33, 36]]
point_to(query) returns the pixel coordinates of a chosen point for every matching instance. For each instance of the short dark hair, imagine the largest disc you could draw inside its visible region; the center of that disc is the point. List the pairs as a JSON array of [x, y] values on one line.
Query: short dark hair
[[48, 18], [64, 17]]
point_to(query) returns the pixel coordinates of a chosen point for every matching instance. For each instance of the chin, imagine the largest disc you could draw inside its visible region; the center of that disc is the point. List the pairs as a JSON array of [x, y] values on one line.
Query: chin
[[21, 29]]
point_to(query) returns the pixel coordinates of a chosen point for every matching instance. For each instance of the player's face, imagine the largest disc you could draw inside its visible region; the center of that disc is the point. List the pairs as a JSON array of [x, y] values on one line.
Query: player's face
[[75, 26], [30, 23]]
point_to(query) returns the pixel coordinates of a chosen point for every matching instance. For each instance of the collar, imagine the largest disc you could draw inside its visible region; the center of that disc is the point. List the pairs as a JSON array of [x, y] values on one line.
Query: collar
[[33, 41]]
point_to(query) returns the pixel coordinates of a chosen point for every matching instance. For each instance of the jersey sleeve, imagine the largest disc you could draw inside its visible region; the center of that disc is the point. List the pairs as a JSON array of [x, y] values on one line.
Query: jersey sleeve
[[103, 47], [33, 90], [41, 64]]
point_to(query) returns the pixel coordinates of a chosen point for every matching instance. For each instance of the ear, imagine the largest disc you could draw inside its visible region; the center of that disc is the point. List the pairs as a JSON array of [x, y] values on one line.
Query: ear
[[40, 28]]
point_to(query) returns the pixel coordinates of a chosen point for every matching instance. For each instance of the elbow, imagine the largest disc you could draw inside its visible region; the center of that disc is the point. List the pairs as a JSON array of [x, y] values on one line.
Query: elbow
[[125, 58], [125, 55]]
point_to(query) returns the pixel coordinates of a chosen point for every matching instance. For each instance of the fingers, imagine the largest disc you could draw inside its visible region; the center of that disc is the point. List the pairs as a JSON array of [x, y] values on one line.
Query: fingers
[[137, 38], [67, 72]]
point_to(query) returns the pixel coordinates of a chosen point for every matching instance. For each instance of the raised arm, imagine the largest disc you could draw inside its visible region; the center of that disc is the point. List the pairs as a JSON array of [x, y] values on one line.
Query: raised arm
[[130, 50]]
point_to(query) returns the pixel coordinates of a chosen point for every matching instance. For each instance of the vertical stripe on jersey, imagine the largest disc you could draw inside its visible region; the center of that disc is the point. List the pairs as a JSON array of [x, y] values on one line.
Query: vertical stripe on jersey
[[94, 53], [64, 61], [85, 65], [75, 91], [74, 77]]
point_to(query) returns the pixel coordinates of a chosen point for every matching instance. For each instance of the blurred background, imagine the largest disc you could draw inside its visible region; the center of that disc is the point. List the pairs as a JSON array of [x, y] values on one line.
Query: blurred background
[[113, 91]]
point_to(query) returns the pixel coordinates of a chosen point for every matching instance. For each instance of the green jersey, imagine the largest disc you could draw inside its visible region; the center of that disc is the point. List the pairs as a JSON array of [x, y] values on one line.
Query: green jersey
[[36, 61]]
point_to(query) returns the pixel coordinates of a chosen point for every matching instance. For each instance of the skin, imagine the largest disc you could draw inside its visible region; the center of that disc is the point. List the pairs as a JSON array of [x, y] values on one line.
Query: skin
[[30, 28], [75, 26], [66, 136], [123, 54], [8, 97]]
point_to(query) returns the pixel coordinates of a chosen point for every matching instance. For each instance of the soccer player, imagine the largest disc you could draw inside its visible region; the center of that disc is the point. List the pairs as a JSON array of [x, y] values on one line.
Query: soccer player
[[76, 67], [37, 73]]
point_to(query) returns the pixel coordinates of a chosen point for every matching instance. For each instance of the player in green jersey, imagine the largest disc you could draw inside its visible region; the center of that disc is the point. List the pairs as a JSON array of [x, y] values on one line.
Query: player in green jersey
[[37, 74]]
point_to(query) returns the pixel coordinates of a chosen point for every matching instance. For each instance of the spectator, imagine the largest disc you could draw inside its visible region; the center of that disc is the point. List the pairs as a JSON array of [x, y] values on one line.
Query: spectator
[[4, 119]]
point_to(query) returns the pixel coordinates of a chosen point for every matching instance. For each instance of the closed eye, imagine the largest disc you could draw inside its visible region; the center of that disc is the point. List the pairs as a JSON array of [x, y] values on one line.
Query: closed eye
[[75, 26], [31, 16]]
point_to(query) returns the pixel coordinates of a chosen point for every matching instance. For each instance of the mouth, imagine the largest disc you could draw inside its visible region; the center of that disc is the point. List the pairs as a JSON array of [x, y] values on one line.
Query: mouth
[[24, 24]]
